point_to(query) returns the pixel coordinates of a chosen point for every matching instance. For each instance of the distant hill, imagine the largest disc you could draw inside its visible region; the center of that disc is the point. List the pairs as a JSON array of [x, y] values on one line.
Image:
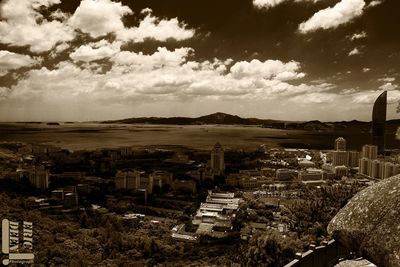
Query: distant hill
[[215, 118], [228, 119]]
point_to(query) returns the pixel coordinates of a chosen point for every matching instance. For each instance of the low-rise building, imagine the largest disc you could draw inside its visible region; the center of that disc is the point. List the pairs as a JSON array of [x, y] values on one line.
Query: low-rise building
[[311, 174], [286, 174]]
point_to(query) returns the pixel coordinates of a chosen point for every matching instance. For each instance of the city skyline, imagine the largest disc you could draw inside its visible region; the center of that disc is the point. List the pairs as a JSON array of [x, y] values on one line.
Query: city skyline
[[288, 60]]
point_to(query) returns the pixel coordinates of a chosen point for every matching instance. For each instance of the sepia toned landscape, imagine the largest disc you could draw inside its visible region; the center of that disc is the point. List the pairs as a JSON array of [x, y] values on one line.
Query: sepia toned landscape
[[202, 133]]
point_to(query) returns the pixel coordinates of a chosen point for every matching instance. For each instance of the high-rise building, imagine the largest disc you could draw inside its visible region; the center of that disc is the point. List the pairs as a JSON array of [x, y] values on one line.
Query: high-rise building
[[364, 166], [340, 144], [388, 170], [370, 151], [353, 158], [340, 158], [378, 122], [375, 169], [217, 159], [39, 178], [127, 180]]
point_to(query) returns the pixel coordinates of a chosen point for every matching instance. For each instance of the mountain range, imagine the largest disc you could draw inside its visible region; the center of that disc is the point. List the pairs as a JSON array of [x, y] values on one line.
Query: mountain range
[[220, 118]]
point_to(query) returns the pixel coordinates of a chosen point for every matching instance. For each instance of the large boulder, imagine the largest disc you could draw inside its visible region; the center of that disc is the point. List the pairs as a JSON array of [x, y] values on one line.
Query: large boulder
[[370, 223]]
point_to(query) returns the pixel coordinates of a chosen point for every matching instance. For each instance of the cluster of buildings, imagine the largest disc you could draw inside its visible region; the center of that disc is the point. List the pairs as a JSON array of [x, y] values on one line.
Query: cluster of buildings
[[340, 160], [139, 181], [214, 218], [38, 176], [378, 167], [66, 196]]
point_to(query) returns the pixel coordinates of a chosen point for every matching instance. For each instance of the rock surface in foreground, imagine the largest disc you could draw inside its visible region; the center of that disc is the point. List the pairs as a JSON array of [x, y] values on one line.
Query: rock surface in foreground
[[355, 263], [370, 223]]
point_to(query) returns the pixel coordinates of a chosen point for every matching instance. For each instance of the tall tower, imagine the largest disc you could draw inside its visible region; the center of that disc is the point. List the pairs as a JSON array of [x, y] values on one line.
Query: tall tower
[[378, 122], [217, 159], [340, 144]]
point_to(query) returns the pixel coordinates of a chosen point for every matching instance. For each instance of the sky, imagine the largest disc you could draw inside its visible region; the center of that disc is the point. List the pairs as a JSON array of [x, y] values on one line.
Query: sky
[[79, 60]]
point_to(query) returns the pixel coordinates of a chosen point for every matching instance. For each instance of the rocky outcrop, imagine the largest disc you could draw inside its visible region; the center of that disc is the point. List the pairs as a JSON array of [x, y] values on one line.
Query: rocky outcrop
[[370, 223]]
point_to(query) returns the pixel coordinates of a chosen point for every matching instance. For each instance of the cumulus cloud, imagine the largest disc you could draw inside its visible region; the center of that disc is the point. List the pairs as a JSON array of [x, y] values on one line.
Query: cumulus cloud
[[99, 17], [4, 92], [388, 86], [267, 3], [272, 3], [360, 35], [11, 61], [366, 69], [354, 52], [23, 24], [162, 58], [140, 82], [171, 77], [20, 27], [153, 28], [95, 51], [268, 69], [355, 99], [165, 74], [369, 97], [387, 79], [36, 4], [331, 17], [375, 3], [136, 78]]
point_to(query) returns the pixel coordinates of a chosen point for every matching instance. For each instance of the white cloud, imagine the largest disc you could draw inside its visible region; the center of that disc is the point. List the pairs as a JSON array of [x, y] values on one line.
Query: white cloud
[[154, 28], [162, 58], [267, 3], [369, 97], [156, 83], [272, 3], [354, 52], [355, 100], [387, 79], [269, 69], [168, 80], [359, 35], [366, 69], [36, 4], [4, 92], [11, 61], [331, 17], [165, 74], [20, 26], [99, 17], [388, 86], [375, 3], [59, 15], [95, 51]]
